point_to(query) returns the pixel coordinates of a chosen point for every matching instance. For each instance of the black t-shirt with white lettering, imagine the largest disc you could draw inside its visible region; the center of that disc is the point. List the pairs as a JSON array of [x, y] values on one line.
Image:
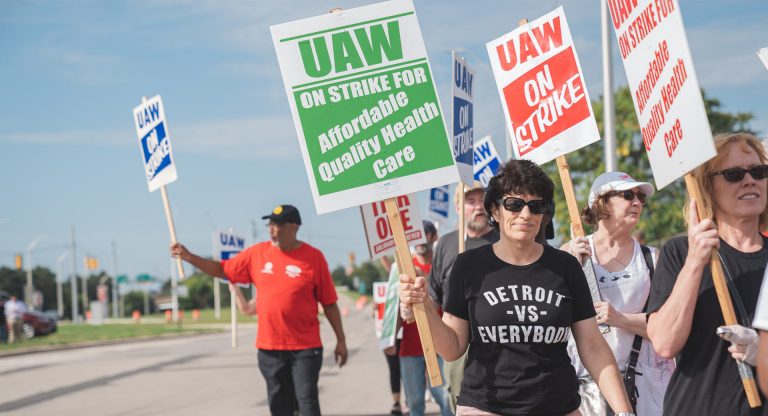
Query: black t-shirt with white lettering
[[707, 381], [520, 318]]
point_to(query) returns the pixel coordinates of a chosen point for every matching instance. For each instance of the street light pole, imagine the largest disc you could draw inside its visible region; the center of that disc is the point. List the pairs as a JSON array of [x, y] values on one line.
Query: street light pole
[[84, 288], [59, 278], [30, 287], [73, 281], [609, 126], [115, 314]]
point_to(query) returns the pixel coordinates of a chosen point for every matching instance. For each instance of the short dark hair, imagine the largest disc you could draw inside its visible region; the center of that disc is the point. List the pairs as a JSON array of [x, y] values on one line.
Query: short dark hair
[[520, 177], [429, 227]]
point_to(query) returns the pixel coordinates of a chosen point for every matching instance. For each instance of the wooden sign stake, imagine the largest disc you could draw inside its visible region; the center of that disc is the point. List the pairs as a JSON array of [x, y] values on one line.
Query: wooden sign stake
[[171, 227], [406, 267], [169, 219], [724, 298], [578, 228]]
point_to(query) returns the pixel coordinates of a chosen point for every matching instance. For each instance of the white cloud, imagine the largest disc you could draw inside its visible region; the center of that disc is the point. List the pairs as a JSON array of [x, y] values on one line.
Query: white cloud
[[257, 138], [271, 137], [727, 57]]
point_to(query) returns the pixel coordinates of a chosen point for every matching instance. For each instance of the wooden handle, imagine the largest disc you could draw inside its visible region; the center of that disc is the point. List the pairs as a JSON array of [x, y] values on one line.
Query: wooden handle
[[570, 196], [406, 266], [578, 230], [724, 297], [171, 227]]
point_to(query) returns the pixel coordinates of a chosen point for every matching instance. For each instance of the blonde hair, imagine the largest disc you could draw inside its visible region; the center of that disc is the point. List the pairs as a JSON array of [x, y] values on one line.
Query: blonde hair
[[703, 174]]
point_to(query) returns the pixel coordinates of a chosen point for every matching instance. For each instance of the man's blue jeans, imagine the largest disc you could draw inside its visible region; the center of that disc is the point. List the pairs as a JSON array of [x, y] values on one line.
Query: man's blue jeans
[[412, 370], [292, 380]]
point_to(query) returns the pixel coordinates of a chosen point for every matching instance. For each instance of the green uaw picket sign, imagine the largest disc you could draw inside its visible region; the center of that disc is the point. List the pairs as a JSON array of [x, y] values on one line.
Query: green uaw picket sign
[[364, 104]]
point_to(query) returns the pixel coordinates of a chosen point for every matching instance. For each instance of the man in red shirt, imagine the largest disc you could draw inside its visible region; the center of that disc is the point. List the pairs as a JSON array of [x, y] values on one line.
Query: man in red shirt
[[291, 278]]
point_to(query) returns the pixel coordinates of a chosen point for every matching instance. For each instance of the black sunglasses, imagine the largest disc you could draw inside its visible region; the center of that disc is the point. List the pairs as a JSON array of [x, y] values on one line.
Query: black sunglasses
[[737, 174], [512, 204], [629, 195]]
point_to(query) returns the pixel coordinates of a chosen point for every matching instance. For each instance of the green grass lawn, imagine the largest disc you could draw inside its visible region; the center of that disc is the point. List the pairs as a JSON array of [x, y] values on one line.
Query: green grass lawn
[[152, 326]]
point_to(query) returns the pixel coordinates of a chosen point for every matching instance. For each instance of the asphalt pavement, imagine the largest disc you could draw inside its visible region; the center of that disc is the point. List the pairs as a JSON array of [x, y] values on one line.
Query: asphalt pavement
[[193, 375]]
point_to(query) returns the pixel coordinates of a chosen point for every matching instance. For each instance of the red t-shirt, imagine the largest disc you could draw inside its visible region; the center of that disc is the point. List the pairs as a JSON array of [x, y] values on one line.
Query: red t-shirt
[[289, 284], [410, 346]]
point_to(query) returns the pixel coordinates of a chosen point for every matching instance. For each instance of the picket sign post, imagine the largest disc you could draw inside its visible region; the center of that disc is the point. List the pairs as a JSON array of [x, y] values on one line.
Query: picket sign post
[[573, 211], [179, 266], [359, 151], [226, 245], [169, 220], [171, 228], [403, 257], [675, 128], [578, 229], [159, 168], [724, 298]]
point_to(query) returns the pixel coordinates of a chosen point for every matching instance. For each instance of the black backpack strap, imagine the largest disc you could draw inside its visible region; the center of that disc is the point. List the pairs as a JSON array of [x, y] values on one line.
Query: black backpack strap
[[648, 262], [634, 355]]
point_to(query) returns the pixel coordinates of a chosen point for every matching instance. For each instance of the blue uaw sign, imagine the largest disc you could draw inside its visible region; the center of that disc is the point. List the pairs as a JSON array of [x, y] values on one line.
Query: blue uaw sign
[[227, 244], [463, 117], [487, 160], [438, 204], [155, 143]]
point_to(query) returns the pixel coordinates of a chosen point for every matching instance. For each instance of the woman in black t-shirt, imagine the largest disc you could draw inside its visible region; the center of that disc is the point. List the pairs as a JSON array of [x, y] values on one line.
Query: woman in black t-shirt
[[684, 311], [514, 304]]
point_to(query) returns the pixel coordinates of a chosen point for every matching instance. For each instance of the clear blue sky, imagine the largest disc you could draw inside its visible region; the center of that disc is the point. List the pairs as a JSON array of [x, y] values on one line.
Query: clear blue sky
[[73, 70]]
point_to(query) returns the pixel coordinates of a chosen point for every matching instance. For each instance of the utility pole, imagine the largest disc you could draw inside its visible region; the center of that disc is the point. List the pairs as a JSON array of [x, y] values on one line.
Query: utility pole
[[84, 286], [115, 313], [73, 281], [30, 290], [609, 126], [59, 290]]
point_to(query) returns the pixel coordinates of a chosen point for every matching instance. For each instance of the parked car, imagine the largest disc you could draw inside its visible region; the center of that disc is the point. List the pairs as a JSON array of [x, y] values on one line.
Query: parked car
[[36, 324]]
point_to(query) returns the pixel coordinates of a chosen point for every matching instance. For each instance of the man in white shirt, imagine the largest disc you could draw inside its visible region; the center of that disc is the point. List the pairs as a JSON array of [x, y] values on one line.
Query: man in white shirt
[[14, 311]]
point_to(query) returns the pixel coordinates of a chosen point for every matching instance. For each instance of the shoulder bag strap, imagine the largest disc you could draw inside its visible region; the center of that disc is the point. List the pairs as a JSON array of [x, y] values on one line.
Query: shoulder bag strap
[[634, 355]]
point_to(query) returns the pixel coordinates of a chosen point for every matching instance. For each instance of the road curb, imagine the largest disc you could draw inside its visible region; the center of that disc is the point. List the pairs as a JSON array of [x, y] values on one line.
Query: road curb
[[50, 348]]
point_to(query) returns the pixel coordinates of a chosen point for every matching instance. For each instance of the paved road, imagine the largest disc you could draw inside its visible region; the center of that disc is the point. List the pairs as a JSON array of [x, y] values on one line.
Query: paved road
[[196, 375]]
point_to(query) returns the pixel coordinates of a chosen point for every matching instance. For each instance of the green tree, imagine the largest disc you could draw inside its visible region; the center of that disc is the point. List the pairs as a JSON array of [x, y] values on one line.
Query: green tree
[[200, 287], [663, 215], [12, 281], [134, 301], [340, 278], [369, 272]]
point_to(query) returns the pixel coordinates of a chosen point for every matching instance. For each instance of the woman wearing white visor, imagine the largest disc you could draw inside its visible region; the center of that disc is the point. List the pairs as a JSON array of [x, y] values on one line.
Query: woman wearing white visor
[[623, 268]]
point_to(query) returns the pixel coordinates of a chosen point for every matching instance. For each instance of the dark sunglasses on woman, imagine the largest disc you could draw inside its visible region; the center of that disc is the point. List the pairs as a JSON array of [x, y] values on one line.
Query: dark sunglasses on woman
[[629, 195], [737, 174], [512, 204]]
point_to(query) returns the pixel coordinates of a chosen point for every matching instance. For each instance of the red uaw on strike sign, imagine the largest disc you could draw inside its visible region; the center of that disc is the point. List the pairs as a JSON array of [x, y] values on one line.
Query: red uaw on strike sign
[[377, 230], [542, 89], [665, 90]]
